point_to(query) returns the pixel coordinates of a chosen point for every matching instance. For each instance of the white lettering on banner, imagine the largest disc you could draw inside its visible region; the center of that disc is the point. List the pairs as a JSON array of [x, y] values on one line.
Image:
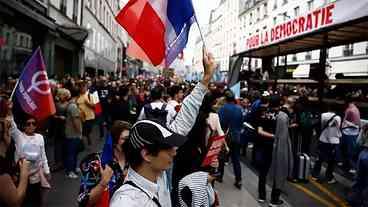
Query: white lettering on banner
[[312, 21], [26, 97]]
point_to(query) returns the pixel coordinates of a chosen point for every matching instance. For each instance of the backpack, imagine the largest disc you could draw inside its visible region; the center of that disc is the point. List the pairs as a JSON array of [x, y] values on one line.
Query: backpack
[[306, 120], [157, 114]]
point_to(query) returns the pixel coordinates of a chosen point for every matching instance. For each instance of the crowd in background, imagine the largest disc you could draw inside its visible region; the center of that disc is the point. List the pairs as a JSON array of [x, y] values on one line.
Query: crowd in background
[[281, 123]]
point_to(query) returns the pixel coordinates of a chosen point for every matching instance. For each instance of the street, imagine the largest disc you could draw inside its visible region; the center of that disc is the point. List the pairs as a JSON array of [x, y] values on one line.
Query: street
[[312, 194]]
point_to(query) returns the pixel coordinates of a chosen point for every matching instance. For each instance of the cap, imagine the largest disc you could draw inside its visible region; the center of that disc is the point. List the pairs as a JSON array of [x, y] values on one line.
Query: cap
[[229, 95], [148, 132]]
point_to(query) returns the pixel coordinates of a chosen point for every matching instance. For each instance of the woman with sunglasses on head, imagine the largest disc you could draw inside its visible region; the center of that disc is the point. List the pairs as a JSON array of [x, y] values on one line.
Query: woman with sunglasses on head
[[14, 194], [104, 172], [31, 146]]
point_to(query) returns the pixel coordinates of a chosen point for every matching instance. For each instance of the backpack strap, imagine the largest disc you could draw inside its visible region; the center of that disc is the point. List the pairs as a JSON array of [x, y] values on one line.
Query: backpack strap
[[154, 199], [163, 107], [327, 125]]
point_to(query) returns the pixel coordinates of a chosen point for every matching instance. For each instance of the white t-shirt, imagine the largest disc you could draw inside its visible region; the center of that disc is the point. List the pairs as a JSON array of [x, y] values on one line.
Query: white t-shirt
[[25, 143], [171, 113], [332, 133]]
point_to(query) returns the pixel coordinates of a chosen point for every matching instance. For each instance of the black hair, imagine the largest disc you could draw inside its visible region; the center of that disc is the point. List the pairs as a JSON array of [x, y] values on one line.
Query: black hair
[[156, 93], [174, 90], [134, 157], [117, 128], [229, 96], [197, 136]]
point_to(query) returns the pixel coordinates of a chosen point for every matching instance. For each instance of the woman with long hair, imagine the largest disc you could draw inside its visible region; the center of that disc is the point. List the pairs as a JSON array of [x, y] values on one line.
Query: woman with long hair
[[104, 172], [190, 156], [14, 194]]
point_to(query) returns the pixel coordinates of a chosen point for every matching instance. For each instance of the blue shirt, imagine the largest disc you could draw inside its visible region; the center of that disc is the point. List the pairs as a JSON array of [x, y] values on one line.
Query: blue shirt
[[361, 182], [231, 117]]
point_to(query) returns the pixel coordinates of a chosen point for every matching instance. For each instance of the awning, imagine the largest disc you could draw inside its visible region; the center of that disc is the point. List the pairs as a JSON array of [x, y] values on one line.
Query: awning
[[78, 34], [15, 5], [349, 68], [338, 23], [302, 71]]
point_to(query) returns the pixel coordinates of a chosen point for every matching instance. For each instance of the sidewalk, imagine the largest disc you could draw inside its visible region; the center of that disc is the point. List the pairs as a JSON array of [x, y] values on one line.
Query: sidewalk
[[64, 191]]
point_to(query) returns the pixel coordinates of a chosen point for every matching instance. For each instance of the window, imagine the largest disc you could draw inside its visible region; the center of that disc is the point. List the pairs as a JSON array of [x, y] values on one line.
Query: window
[[348, 50], [87, 43], [99, 15], [63, 6], [310, 5], [296, 11], [285, 2], [250, 19], [258, 14], [366, 49], [265, 10], [308, 56], [94, 39], [75, 11], [275, 5], [282, 59], [274, 20], [294, 58]]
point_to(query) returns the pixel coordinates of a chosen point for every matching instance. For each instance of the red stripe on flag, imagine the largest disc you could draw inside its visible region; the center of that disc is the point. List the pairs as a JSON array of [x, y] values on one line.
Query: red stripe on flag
[[145, 27]]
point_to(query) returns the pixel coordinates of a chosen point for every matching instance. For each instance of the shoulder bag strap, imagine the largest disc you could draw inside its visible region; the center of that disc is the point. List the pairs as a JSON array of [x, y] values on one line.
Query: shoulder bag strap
[[327, 125], [154, 199]]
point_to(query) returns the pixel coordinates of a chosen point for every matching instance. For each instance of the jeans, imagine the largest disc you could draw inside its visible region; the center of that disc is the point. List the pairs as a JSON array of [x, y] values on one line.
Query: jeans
[[348, 143], [71, 154], [263, 163], [327, 153], [360, 187], [275, 194], [235, 159], [59, 149]]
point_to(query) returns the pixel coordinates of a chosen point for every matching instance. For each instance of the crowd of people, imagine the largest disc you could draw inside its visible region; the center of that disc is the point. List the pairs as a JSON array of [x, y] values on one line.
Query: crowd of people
[[157, 134]]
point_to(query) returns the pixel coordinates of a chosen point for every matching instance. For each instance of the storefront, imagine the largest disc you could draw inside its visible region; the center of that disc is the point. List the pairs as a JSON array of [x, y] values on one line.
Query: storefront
[[323, 28], [18, 36]]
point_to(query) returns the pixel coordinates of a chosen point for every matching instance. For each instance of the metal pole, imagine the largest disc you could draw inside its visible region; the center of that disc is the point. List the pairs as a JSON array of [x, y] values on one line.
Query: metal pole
[[322, 67]]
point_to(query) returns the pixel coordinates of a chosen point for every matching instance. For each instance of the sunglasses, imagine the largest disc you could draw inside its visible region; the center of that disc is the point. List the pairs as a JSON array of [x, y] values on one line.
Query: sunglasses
[[31, 123]]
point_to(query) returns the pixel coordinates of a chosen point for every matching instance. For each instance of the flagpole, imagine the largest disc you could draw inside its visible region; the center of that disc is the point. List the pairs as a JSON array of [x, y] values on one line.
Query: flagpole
[[16, 85], [200, 31], [21, 75]]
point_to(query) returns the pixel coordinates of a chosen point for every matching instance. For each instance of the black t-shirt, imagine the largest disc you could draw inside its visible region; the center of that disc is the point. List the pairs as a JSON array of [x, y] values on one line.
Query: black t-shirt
[[267, 120]]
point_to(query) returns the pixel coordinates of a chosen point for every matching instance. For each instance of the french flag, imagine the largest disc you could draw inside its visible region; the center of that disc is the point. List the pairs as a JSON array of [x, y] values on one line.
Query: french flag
[[159, 28]]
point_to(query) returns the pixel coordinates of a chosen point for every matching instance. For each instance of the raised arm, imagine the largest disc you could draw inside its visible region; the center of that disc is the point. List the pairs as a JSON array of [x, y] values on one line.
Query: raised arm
[[189, 110]]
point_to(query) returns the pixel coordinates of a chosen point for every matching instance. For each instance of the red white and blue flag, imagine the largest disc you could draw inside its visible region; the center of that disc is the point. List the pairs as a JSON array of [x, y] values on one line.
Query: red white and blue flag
[[159, 28], [33, 91]]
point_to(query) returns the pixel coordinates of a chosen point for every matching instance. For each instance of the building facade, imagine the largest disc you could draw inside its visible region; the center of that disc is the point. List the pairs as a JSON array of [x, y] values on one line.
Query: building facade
[[258, 15], [18, 36], [234, 21], [67, 46], [221, 35], [104, 46]]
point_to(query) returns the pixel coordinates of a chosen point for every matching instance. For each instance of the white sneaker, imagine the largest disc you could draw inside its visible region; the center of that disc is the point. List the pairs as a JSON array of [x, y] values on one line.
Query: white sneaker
[[78, 170], [332, 181], [352, 171], [260, 200], [72, 175]]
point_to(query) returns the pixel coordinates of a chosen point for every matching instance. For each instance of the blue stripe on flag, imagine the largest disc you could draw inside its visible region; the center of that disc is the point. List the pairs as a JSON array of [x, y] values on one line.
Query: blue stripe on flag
[[179, 13], [174, 48]]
